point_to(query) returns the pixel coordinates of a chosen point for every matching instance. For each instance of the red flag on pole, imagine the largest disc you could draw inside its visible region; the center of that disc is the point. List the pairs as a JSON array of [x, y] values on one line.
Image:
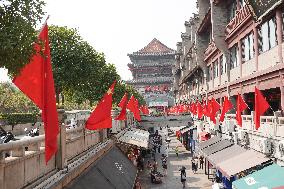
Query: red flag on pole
[[194, 109], [261, 105], [36, 81], [122, 104], [199, 110], [241, 106], [205, 112], [147, 112], [101, 116], [215, 106], [227, 105], [132, 106]]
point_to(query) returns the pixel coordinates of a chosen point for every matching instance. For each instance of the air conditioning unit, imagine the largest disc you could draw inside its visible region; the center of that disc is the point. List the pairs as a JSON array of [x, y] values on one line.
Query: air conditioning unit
[[265, 146], [279, 150]]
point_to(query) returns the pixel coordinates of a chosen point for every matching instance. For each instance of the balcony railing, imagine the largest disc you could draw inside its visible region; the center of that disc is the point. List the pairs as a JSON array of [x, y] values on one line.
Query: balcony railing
[[210, 50], [242, 16]]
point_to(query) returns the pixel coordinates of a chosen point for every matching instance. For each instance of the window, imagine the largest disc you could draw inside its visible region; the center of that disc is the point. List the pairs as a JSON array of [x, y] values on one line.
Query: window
[[223, 65], [232, 10], [216, 69], [234, 62], [267, 35], [209, 69], [247, 47]]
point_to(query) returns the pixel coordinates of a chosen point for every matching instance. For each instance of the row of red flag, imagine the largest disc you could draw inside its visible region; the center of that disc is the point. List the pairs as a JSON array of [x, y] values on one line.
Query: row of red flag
[[211, 108], [101, 116], [36, 81]]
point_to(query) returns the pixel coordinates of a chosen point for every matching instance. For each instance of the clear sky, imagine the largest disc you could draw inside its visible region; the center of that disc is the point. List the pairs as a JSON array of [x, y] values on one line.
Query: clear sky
[[118, 27]]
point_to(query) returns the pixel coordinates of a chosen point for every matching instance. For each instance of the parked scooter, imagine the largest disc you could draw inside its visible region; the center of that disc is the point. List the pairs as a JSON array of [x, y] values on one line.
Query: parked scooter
[[5, 137], [32, 133]]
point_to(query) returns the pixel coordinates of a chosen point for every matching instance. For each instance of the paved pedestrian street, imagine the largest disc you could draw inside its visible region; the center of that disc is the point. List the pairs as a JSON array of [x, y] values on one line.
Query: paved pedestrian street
[[172, 180]]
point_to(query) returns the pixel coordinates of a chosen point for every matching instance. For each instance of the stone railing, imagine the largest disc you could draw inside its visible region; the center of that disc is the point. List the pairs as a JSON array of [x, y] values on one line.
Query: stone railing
[[166, 118], [79, 140], [270, 126], [242, 16], [279, 131], [26, 161], [22, 162], [247, 122], [23, 166]]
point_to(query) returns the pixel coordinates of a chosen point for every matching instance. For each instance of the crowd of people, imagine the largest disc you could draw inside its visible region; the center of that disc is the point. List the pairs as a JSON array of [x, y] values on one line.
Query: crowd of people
[[156, 140], [194, 163]]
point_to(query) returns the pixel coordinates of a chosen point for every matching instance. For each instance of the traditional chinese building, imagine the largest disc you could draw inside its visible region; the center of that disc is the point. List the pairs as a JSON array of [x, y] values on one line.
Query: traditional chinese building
[[229, 48], [151, 69]]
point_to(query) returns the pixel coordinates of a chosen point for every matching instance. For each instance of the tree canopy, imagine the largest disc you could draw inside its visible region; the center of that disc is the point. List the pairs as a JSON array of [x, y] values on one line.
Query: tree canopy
[[12, 100], [18, 19], [81, 73]]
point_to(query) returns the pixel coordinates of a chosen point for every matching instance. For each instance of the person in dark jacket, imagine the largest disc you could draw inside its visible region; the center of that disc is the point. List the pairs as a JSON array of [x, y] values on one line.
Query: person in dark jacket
[[183, 176]]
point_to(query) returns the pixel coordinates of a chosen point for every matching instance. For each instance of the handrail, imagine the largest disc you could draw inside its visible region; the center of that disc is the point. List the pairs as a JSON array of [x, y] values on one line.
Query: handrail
[[20, 143]]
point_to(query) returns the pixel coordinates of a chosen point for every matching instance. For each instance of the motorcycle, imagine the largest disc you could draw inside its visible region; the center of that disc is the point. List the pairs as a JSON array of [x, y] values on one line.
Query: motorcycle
[[32, 133], [6, 137]]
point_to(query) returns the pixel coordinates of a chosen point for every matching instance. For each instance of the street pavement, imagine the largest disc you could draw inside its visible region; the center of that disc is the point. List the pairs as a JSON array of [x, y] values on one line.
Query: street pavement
[[172, 180]]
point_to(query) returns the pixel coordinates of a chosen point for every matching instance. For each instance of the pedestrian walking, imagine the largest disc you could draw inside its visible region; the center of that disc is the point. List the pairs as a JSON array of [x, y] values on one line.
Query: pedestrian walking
[[194, 165], [201, 162], [164, 164], [183, 176], [155, 166], [176, 150], [167, 152], [138, 184], [149, 166]]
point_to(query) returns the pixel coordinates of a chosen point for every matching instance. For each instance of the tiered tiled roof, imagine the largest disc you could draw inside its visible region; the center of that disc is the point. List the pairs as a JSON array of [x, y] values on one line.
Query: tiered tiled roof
[[155, 47]]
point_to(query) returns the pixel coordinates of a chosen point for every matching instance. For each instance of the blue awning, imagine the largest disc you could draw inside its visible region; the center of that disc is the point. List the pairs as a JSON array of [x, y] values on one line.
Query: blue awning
[[269, 177]]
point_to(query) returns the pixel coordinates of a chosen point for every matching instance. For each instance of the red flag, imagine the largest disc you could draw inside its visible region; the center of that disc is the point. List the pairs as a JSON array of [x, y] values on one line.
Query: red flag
[[227, 105], [36, 81], [122, 104], [132, 106], [194, 109], [261, 105], [215, 106], [101, 116], [205, 112], [144, 109], [147, 110], [241, 106], [199, 110]]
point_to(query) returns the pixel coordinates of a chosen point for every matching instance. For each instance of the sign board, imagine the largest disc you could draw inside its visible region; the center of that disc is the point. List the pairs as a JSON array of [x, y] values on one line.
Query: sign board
[[154, 104], [260, 8]]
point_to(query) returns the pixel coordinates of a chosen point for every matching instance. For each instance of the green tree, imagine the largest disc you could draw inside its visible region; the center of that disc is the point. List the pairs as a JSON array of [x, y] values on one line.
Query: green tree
[[13, 100], [120, 90], [18, 19], [76, 64]]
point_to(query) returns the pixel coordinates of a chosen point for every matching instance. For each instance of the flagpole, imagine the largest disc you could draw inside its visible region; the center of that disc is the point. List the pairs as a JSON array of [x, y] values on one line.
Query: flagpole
[[45, 22]]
